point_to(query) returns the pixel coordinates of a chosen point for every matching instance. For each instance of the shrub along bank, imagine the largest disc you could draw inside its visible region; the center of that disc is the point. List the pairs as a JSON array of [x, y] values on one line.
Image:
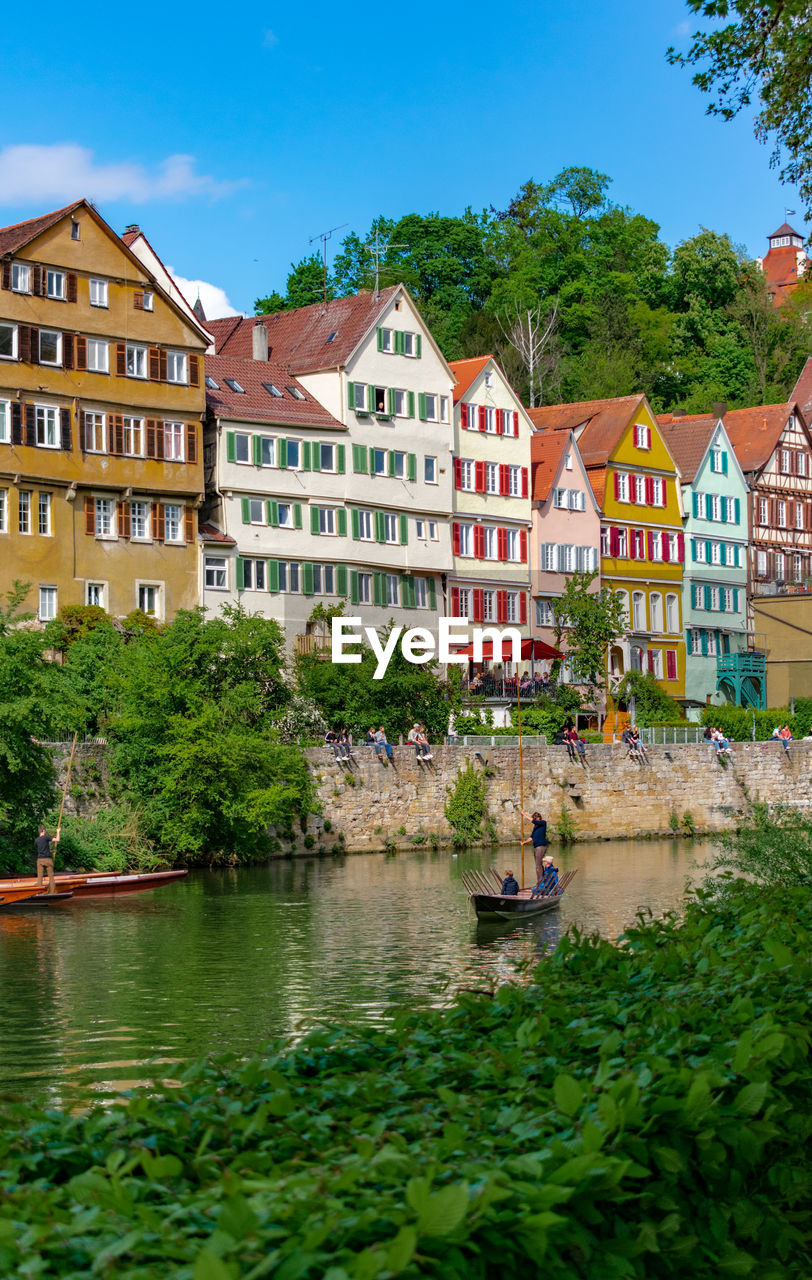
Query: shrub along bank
[[634, 1111]]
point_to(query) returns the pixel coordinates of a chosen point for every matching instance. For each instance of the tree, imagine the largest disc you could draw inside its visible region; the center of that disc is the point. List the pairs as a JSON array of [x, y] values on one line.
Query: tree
[[651, 701], [586, 623], [533, 334], [766, 51], [305, 285]]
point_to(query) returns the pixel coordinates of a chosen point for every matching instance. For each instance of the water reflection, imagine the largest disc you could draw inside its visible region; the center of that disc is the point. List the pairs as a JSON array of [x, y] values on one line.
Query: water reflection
[[100, 995]]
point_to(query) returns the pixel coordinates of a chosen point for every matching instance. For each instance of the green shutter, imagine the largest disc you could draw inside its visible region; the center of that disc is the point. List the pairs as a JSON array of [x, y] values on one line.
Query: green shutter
[[256, 446], [380, 527], [306, 455], [724, 462], [708, 553], [432, 594], [399, 344], [703, 637], [380, 339], [341, 520], [360, 459], [404, 529], [410, 398], [722, 553], [282, 453], [379, 588], [708, 506], [735, 599], [391, 462], [341, 580], [273, 575], [355, 523], [411, 466], [693, 547], [721, 599], [353, 586], [231, 447], [315, 456], [736, 560], [707, 595], [421, 406], [418, 345], [314, 520], [723, 509], [390, 402], [350, 395], [370, 399], [246, 510], [407, 591], [272, 509], [736, 510], [307, 578], [341, 454], [240, 574], [297, 515], [696, 505]]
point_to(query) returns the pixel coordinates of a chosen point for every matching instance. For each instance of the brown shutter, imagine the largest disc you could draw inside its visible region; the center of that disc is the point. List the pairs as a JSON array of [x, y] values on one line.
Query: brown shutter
[[161, 521], [163, 366], [189, 523], [194, 371], [16, 422], [154, 364], [7, 274], [90, 515], [119, 421], [158, 517], [160, 431], [67, 351], [81, 353], [33, 339], [191, 442], [808, 515], [111, 433], [24, 343], [37, 274], [138, 300], [66, 435], [71, 283], [30, 425], [80, 423], [121, 359], [123, 519], [151, 425]]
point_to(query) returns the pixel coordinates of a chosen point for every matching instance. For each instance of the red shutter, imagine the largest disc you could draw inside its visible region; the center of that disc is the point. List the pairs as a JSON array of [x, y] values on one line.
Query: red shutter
[[463, 423], [649, 489], [24, 343], [80, 421], [189, 524], [151, 447], [666, 546], [36, 286], [671, 663], [523, 547], [123, 519], [90, 516], [159, 439], [162, 362], [501, 544], [504, 479], [616, 479], [614, 540], [138, 300], [479, 542], [458, 473], [479, 477], [650, 544], [455, 535], [121, 359], [194, 371], [516, 423], [482, 418], [71, 282], [648, 437], [478, 605], [33, 336], [500, 421], [650, 660], [681, 547], [632, 536], [455, 602], [524, 482], [523, 608], [501, 606], [119, 425]]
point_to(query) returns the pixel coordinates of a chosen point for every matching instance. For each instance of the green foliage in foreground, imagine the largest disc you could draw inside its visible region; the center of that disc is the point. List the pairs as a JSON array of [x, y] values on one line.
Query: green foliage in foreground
[[637, 1112], [112, 841], [774, 848]]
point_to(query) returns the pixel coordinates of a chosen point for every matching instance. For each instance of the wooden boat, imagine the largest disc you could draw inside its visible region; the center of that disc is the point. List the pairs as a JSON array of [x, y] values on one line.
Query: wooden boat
[[38, 900], [93, 884], [491, 904]]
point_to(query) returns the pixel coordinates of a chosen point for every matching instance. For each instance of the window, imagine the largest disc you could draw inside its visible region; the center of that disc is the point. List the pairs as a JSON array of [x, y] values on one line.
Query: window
[[256, 511], [513, 544], [512, 609], [8, 341], [800, 459], [359, 397], [242, 447], [465, 603], [658, 491], [761, 564], [491, 477], [379, 462], [134, 437], [273, 390], [444, 408], [716, 507], [234, 384], [673, 547], [421, 593], [780, 571], [377, 400], [296, 392], [656, 607], [386, 340], [642, 436], [560, 498], [147, 301], [173, 441], [514, 481], [401, 404], [390, 524], [149, 599], [655, 663], [47, 603], [327, 456], [20, 277], [365, 588], [786, 462], [324, 579], [267, 451], [289, 577], [489, 543], [98, 293], [716, 553], [577, 500], [420, 529], [671, 613], [696, 643], [392, 588], [409, 344], [139, 517], [489, 606], [544, 614], [55, 283], [797, 567], [466, 539], [215, 386], [763, 511], [717, 460], [799, 514], [294, 455], [365, 526], [75, 230], [432, 407], [331, 337], [638, 611], [490, 421], [176, 367], [254, 576], [489, 378], [284, 512], [327, 520], [50, 346], [47, 427], [44, 514], [3, 510], [714, 599], [430, 470], [399, 465], [434, 531], [136, 361], [173, 522], [781, 514], [622, 543], [94, 594], [622, 486], [105, 518], [98, 356], [467, 475], [656, 544]]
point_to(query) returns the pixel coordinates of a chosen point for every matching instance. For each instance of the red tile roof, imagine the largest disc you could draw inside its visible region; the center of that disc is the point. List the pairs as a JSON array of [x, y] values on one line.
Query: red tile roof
[[258, 404], [754, 433], [21, 233], [210, 533], [565, 417], [802, 391], [687, 440], [781, 271], [547, 448], [300, 339], [597, 478], [466, 372]]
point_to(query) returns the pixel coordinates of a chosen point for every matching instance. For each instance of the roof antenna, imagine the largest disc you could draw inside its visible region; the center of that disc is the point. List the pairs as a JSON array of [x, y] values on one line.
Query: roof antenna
[[324, 236], [378, 249]]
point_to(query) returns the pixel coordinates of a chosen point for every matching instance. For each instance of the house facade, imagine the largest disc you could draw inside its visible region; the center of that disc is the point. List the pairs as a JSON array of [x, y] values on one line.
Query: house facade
[[368, 479], [785, 263], [101, 399], [490, 524]]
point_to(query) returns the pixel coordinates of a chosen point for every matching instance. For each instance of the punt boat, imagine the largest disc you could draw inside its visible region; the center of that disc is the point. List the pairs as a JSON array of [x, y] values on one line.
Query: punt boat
[[90, 884], [491, 904]]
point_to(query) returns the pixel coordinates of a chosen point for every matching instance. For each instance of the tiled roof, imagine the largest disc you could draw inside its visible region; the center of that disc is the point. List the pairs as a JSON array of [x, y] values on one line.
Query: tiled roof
[[257, 403], [210, 533], [300, 339], [687, 440], [129, 237], [14, 237], [802, 391], [785, 230], [547, 448], [565, 417], [466, 371], [597, 478], [754, 433]]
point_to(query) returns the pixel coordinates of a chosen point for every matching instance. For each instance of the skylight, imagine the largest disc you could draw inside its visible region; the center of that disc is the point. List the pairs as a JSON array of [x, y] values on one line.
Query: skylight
[[234, 384], [333, 335], [295, 392], [272, 389], [211, 384]]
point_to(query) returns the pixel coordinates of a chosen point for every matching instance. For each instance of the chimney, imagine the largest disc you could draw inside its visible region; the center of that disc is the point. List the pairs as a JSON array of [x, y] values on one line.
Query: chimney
[[677, 413], [259, 342], [719, 408], [132, 230]]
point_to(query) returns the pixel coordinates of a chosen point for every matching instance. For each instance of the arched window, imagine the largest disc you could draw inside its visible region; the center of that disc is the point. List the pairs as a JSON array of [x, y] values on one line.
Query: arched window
[[671, 613], [623, 597], [636, 658], [616, 660], [638, 611], [655, 604]]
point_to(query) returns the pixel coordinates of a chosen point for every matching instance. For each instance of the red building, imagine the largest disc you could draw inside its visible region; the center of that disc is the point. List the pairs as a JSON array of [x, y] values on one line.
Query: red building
[[784, 263]]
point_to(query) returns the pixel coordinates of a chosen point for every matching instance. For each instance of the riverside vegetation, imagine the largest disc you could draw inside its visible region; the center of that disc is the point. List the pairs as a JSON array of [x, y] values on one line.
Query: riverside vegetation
[[637, 1111]]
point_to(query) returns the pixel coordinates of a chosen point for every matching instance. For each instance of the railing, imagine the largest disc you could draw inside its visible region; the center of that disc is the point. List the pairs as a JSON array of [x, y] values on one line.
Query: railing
[[490, 687], [312, 644], [67, 741], [672, 736], [746, 663], [495, 740]]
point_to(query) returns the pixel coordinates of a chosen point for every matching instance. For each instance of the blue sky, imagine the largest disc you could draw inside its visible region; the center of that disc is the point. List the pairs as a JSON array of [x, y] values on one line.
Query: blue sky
[[232, 134]]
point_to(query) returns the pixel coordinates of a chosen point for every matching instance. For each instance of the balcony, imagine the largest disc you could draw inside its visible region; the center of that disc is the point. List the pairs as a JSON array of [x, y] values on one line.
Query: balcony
[[742, 677]]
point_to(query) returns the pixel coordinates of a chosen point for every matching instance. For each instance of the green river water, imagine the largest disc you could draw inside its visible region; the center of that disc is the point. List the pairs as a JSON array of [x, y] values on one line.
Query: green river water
[[100, 996]]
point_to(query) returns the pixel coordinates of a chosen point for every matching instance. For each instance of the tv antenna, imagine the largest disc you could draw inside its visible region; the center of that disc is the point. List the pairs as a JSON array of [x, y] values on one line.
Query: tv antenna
[[378, 249], [324, 236]]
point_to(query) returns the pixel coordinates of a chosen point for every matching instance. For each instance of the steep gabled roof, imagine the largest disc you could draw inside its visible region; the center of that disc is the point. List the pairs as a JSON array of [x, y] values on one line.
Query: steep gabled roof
[[301, 339], [21, 233], [802, 391], [597, 479], [466, 372], [785, 230], [255, 402], [754, 433], [688, 440], [547, 448], [566, 417]]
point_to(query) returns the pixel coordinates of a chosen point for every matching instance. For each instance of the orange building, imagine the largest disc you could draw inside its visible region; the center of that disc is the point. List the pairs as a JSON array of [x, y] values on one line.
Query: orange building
[[785, 263], [101, 400]]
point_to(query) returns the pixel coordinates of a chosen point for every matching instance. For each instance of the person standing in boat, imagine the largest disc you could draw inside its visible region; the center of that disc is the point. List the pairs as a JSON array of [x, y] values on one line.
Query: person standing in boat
[[538, 836], [45, 861]]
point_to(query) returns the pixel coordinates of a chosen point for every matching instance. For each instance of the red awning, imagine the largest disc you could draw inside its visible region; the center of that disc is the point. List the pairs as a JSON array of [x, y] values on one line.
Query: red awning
[[535, 649]]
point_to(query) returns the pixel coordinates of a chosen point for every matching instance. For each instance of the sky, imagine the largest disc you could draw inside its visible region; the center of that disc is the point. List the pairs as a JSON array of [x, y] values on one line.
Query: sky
[[232, 134]]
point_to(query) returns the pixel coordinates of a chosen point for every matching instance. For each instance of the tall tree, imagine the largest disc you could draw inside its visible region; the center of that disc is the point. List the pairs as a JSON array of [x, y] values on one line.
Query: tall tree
[[586, 623]]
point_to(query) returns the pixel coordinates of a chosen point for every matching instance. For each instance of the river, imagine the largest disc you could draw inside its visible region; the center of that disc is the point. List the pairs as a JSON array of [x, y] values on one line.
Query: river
[[100, 996]]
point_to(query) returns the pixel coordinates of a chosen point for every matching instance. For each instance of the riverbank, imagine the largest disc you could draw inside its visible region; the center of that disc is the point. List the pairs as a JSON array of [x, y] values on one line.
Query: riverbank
[[663, 1134]]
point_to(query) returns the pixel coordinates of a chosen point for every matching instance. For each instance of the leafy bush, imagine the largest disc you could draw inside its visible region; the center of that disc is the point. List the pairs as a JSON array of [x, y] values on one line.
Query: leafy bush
[[639, 1113], [774, 848], [112, 841], [549, 713], [651, 702], [736, 723], [467, 808]]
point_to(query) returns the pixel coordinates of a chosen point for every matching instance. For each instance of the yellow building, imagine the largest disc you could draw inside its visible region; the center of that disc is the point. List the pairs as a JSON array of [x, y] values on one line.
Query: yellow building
[[101, 400], [637, 486]]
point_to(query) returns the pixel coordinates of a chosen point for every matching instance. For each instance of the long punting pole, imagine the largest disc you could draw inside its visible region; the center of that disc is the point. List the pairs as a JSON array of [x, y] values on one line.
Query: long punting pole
[[65, 788], [521, 773]]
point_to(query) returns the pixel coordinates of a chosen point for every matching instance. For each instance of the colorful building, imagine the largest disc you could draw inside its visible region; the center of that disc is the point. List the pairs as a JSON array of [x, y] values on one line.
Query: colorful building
[[784, 264], [101, 398]]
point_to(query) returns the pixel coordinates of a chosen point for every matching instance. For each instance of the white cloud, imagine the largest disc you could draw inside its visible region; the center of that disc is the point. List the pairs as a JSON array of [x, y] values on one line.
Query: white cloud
[[214, 299], [65, 171]]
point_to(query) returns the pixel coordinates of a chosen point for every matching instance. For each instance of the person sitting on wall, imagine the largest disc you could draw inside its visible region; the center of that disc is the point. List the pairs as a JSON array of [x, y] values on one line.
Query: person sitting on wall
[[786, 737], [331, 739], [423, 743], [510, 886], [640, 750], [777, 736], [369, 741], [569, 741], [381, 744], [345, 744]]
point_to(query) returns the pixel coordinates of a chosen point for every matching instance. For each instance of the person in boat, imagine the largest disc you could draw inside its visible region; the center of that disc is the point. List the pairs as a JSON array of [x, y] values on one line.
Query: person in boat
[[548, 880], [510, 885], [538, 836], [45, 861]]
